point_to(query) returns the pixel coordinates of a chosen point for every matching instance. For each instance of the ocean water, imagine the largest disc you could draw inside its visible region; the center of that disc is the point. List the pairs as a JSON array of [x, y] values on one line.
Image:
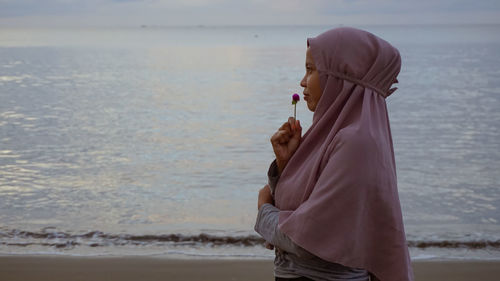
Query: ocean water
[[155, 141]]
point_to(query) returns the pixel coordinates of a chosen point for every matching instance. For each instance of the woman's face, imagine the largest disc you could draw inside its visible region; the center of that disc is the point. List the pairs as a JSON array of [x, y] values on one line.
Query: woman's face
[[310, 82]]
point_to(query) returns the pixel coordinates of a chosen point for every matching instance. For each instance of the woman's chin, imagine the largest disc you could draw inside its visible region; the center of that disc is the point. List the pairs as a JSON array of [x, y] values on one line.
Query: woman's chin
[[311, 107]]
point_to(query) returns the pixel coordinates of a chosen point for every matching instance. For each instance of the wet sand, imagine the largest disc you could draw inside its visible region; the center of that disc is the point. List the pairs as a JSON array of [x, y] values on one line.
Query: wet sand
[[54, 268]]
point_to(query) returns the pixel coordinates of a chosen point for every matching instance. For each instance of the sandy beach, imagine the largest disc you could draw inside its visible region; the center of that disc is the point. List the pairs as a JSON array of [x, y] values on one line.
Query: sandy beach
[[54, 268]]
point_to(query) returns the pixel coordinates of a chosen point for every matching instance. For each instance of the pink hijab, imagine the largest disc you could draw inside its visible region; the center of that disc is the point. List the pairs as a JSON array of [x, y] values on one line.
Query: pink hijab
[[338, 193]]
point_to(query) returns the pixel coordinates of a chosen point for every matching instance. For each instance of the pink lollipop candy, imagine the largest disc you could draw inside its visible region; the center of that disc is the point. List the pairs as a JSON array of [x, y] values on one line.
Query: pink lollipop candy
[[295, 99]]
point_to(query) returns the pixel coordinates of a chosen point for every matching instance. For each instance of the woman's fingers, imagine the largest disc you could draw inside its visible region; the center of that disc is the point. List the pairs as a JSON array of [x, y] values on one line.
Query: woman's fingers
[[265, 196], [291, 126], [285, 132], [285, 126], [285, 141], [291, 122], [283, 137], [298, 130]]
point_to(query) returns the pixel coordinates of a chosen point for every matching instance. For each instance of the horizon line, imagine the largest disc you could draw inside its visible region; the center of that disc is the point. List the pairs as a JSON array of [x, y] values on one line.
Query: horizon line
[[243, 25]]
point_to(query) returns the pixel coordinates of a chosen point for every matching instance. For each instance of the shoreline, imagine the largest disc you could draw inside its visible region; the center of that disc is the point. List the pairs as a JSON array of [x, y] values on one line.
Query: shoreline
[[123, 268]]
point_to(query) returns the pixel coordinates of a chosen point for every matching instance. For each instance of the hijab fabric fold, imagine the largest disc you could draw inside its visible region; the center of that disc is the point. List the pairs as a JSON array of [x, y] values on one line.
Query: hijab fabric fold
[[338, 193]]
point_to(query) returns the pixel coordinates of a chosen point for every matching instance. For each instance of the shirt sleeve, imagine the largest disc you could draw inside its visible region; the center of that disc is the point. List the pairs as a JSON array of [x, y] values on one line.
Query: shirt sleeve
[[267, 226], [273, 176]]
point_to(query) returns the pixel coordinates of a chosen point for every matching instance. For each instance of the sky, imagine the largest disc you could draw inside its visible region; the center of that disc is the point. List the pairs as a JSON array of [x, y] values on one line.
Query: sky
[[244, 12]]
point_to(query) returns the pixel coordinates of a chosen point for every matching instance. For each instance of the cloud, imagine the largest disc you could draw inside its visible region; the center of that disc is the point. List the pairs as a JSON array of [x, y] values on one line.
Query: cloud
[[255, 12], [342, 7], [17, 8]]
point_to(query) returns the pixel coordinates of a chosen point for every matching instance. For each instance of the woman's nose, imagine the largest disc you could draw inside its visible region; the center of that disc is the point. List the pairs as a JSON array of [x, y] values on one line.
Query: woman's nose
[[303, 82]]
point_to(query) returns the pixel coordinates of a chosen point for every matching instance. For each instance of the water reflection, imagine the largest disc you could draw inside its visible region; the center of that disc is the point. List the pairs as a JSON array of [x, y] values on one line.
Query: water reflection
[[164, 137]]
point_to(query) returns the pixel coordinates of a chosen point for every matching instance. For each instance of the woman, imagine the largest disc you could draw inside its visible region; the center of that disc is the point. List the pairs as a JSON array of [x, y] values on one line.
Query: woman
[[331, 208]]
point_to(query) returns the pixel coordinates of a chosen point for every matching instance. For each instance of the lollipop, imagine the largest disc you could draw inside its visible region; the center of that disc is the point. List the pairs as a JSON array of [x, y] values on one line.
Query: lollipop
[[295, 99]]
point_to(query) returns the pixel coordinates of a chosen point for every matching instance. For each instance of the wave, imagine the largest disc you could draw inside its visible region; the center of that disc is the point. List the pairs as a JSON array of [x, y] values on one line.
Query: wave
[[98, 238], [59, 239]]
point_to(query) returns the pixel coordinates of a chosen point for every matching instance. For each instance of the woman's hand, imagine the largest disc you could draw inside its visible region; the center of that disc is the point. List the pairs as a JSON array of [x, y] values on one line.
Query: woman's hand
[[265, 196], [286, 141]]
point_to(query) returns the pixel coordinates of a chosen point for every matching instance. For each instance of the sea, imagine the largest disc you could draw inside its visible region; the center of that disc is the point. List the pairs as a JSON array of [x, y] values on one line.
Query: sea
[[154, 140]]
